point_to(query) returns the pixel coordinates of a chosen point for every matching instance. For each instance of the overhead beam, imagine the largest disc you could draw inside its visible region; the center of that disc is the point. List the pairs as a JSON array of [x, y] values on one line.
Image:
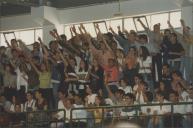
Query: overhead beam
[[20, 2]]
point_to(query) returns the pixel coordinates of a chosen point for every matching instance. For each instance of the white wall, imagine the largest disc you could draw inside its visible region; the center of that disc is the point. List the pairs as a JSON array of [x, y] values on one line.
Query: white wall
[[17, 22], [128, 8], [65, 16]]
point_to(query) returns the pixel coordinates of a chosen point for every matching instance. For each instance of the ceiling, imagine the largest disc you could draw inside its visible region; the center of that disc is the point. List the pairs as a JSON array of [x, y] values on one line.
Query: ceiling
[[17, 7]]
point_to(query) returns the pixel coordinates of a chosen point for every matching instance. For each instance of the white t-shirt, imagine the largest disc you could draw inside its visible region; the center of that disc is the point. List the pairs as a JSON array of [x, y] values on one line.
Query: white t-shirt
[[20, 79], [145, 65], [91, 98], [12, 108], [60, 106], [127, 89], [30, 104]]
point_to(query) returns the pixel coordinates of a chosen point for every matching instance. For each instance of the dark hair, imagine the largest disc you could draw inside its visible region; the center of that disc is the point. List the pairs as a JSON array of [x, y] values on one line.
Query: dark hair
[[145, 52], [120, 91], [139, 76], [178, 73], [166, 64], [130, 95], [30, 92], [167, 30], [102, 101], [143, 36], [64, 92], [63, 36], [144, 83], [149, 96], [86, 66], [39, 91], [175, 35], [51, 42]]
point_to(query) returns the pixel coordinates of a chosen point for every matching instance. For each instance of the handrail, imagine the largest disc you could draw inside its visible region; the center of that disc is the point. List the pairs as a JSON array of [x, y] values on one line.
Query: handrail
[[136, 108]]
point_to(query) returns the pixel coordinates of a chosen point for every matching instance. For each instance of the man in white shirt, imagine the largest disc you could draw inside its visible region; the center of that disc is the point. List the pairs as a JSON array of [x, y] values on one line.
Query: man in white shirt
[[30, 103], [80, 114]]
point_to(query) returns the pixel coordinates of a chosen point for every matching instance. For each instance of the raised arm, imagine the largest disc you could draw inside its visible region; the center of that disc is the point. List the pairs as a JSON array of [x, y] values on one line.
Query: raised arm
[[56, 34], [64, 59], [33, 65], [101, 36], [173, 30], [53, 34], [185, 28], [43, 46], [112, 31], [110, 94], [142, 24], [72, 35]]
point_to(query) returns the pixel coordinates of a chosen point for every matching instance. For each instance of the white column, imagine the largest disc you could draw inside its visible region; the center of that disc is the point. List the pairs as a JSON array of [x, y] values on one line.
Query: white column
[[187, 15]]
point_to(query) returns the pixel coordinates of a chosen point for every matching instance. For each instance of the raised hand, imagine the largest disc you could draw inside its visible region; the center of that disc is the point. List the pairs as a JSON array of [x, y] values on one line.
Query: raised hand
[[96, 26], [82, 26], [55, 30], [39, 39], [182, 22], [110, 28], [73, 28], [52, 34]]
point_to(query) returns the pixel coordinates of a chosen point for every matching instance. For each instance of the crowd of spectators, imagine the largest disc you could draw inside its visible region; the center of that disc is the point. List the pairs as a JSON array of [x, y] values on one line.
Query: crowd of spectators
[[115, 68]]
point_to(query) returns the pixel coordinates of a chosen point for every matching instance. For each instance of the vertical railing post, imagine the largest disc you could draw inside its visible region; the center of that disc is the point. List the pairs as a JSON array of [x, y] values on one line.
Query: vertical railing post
[[102, 122], [70, 122], [172, 116]]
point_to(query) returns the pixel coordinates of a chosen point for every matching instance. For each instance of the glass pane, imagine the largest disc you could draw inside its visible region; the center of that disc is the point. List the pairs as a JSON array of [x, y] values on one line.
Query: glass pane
[[175, 19], [67, 31], [27, 36], [128, 24], [102, 26], [90, 29], [38, 33], [114, 24], [2, 40], [160, 18], [10, 36]]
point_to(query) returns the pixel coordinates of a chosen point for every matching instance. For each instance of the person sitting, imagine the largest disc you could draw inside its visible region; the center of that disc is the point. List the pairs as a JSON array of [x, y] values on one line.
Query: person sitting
[[30, 103], [41, 103]]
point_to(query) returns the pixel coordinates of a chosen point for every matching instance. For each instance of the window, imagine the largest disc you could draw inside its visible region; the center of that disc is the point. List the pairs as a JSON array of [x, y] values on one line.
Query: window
[[38, 33], [131, 23], [128, 24], [114, 24], [138, 25], [103, 26], [90, 29], [27, 36], [175, 19], [160, 18]]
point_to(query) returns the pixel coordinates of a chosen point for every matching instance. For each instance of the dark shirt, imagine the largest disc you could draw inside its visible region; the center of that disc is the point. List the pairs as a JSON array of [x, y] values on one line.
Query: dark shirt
[[33, 79], [97, 83], [177, 47]]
